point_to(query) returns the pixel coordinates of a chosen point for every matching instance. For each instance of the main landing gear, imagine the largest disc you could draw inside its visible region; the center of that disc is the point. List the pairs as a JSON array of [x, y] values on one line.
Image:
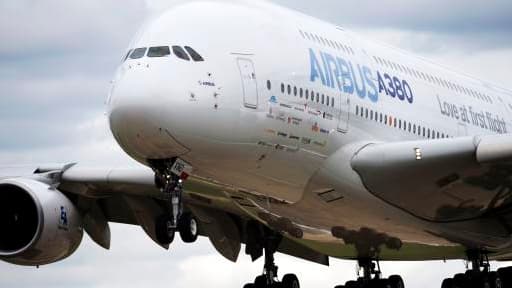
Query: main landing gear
[[480, 274], [372, 277], [268, 279], [169, 178]]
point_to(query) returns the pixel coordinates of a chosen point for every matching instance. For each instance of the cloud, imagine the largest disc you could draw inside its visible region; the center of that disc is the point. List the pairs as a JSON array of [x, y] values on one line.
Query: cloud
[[37, 29]]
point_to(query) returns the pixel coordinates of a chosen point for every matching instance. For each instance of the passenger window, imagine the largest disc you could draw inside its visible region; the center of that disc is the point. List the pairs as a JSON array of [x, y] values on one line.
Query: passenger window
[[332, 102], [180, 53], [161, 51], [269, 85], [195, 56], [282, 88], [301, 93], [138, 53], [307, 94]]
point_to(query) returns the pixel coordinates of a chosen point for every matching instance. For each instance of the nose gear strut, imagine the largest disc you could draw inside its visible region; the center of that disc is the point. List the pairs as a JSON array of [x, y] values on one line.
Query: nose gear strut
[[169, 177]]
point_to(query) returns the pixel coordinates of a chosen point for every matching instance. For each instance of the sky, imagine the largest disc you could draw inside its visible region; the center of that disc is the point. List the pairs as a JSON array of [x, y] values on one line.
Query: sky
[[57, 58]]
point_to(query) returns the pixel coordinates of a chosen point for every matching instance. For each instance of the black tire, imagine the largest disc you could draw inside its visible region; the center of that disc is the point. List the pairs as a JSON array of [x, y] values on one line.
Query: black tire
[[339, 286], [164, 234], [188, 227], [249, 285], [506, 276], [448, 283], [290, 281], [396, 281], [494, 280], [260, 282], [381, 283], [352, 284], [461, 281]]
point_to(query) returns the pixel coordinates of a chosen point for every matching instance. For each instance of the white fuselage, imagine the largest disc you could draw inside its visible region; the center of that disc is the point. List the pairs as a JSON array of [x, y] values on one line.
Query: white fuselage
[[279, 92]]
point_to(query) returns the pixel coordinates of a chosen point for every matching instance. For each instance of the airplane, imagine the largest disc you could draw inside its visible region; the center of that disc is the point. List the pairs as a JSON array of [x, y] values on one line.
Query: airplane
[[259, 125]]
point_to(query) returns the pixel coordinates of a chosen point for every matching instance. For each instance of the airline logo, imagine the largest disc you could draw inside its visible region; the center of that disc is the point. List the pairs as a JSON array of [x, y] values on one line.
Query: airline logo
[[337, 73]]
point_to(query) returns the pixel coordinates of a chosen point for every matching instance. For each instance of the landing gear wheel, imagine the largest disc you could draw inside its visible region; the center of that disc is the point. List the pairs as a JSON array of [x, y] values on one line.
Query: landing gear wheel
[[379, 283], [494, 280], [395, 281], [448, 283], [250, 285], [460, 280], [290, 281], [260, 282], [506, 276], [164, 231], [188, 228], [351, 284]]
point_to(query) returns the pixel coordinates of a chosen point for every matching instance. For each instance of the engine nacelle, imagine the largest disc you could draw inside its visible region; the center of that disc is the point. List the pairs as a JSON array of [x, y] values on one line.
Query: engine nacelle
[[38, 224]]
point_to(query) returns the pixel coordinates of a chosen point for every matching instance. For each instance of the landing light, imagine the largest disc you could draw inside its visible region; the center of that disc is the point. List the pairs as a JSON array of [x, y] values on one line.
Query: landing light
[[418, 153]]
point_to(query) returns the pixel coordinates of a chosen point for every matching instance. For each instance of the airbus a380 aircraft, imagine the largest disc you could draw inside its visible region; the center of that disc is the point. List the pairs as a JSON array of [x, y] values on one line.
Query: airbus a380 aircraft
[[267, 127]]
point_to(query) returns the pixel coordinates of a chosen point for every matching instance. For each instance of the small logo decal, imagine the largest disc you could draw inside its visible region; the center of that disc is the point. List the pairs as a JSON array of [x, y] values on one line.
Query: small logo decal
[[63, 221]]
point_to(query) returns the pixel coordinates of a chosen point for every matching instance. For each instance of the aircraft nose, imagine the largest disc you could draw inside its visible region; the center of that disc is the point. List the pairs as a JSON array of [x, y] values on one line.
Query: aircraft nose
[[137, 111]]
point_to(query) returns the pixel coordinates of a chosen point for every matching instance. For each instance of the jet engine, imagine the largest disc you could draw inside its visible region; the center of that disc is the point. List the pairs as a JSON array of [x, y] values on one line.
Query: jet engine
[[38, 224]]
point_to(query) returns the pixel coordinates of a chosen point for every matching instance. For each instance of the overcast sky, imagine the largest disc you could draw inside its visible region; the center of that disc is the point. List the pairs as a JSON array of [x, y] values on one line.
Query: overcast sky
[[58, 56]]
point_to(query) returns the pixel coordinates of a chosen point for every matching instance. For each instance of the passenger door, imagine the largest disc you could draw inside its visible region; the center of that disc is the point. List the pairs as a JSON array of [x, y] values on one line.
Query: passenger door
[[249, 82], [344, 116]]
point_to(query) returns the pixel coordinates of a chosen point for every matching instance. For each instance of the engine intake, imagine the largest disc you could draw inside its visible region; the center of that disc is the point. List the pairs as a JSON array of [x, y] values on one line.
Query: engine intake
[[38, 224], [19, 219]]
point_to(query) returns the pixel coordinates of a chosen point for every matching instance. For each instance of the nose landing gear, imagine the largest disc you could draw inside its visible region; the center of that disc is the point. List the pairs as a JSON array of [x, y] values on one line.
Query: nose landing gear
[[169, 177]]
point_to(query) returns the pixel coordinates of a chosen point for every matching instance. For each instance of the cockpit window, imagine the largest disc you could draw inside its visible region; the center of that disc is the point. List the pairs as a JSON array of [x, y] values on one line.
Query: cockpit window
[[138, 53], [160, 51], [127, 54], [180, 53], [194, 54]]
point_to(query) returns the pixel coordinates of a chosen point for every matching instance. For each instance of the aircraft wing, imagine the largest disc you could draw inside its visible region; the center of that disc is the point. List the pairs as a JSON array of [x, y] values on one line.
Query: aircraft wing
[[129, 196], [441, 180]]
